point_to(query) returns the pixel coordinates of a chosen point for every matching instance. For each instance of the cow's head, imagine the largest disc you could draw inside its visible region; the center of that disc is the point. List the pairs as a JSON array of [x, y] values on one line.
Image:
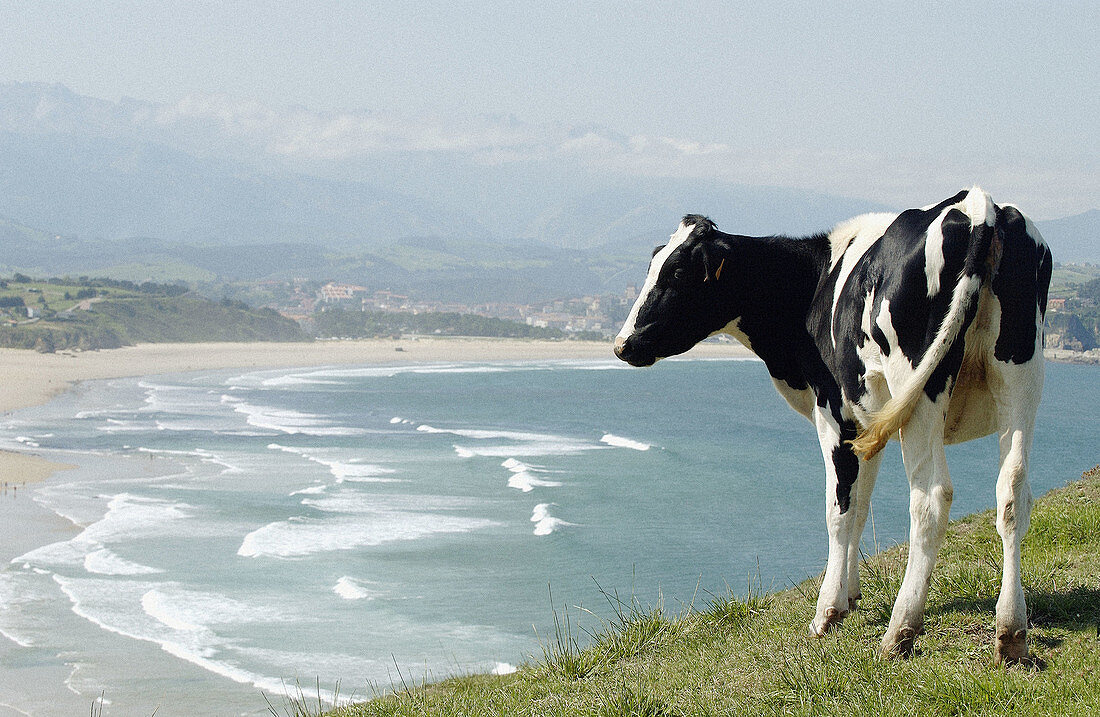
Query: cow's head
[[678, 305]]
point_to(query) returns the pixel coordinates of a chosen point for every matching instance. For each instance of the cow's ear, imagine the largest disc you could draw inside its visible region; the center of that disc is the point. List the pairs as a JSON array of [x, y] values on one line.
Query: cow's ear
[[711, 271], [704, 254]]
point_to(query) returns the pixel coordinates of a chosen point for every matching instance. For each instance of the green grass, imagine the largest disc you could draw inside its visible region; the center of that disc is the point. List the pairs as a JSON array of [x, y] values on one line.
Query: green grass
[[1067, 277], [750, 654]]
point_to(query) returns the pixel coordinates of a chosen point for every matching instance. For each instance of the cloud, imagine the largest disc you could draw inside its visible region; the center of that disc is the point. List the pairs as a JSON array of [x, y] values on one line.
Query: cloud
[[217, 124]]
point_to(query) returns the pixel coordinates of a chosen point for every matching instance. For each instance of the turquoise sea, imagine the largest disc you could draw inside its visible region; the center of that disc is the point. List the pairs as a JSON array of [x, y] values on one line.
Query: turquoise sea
[[228, 534]]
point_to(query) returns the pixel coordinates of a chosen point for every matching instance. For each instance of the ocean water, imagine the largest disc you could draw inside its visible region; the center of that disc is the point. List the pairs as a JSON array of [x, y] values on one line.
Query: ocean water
[[228, 535]]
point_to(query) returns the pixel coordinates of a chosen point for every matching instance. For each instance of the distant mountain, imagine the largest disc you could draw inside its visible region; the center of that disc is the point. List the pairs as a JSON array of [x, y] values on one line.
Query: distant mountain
[[210, 170], [1075, 238], [215, 189], [111, 188], [640, 214]]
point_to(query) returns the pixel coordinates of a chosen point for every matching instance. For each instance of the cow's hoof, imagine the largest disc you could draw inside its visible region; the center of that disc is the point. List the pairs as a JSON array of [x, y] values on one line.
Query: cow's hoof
[[900, 643], [853, 602], [833, 618], [1010, 647]]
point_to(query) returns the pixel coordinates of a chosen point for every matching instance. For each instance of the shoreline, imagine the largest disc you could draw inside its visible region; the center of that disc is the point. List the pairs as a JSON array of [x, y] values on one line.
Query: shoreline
[[33, 378], [20, 470]]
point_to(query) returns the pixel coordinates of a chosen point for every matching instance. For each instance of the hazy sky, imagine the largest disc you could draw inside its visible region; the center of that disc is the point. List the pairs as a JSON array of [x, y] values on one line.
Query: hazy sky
[[881, 100]]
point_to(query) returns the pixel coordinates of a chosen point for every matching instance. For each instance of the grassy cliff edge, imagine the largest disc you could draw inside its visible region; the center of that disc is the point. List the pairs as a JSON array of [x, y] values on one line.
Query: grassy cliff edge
[[734, 655]]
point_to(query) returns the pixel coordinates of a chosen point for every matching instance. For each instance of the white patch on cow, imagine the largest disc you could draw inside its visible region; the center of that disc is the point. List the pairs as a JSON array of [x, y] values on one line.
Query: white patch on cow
[[832, 599], [865, 319], [852, 239], [869, 352], [885, 323], [655, 265], [978, 205], [800, 399], [933, 254], [844, 233]]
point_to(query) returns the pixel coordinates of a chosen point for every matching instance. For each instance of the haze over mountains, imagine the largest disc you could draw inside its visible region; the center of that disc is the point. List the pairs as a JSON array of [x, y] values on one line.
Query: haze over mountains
[[213, 187]]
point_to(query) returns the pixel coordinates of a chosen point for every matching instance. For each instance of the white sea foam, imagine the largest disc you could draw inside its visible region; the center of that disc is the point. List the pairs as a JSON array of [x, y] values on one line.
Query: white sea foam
[[152, 602], [105, 562], [164, 398], [351, 589], [492, 434], [186, 609], [620, 442], [129, 517], [295, 380], [545, 524], [285, 420], [351, 470], [311, 490], [532, 449], [502, 668], [521, 443], [115, 426], [300, 537], [18, 597], [133, 516], [68, 553], [332, 374], [523, 476], [526, 482], [355, 502], [165, 620]]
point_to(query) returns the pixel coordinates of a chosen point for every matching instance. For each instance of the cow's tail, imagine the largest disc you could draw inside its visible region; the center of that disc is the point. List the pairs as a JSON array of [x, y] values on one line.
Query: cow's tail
[[887, 421]]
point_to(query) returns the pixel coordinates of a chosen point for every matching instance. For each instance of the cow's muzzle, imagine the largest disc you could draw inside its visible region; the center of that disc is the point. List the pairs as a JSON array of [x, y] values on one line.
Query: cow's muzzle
[[627, 350]]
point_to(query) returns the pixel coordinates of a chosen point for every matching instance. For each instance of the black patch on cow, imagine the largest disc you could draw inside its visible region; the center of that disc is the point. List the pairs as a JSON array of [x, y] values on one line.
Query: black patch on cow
[[774, 280], [846, 465], [1020, 285], [878, 336]]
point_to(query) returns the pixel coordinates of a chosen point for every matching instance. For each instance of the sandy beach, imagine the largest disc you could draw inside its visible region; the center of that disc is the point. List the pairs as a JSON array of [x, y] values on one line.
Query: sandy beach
[[32, 378]]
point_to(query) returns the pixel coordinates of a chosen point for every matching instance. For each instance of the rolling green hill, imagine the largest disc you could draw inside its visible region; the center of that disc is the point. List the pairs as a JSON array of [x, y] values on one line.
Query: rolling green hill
[[87, 314]]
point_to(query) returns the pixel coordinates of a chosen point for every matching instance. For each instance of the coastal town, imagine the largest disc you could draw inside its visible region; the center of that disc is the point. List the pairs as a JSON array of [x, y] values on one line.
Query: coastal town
[[301, 299]]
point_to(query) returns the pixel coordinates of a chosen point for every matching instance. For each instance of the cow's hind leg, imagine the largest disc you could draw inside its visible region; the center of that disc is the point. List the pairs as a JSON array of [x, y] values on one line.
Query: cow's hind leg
[[930, 496], [861, 504], [1017, 394], [841, 472]]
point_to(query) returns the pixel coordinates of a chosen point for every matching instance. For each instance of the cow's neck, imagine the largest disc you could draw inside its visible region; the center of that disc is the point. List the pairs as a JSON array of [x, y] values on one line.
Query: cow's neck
[[772, 286]]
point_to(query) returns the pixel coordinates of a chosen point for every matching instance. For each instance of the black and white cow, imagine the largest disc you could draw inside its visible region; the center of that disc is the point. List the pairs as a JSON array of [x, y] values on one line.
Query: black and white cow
[[925, 324]]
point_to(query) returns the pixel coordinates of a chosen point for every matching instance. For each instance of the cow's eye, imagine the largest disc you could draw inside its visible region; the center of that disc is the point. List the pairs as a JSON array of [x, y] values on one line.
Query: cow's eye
[[678, 275]]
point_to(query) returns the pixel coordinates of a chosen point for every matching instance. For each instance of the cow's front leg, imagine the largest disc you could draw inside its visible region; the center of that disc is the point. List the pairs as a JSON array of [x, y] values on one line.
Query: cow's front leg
[[841, 472], [861, 504], [930, 494]]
